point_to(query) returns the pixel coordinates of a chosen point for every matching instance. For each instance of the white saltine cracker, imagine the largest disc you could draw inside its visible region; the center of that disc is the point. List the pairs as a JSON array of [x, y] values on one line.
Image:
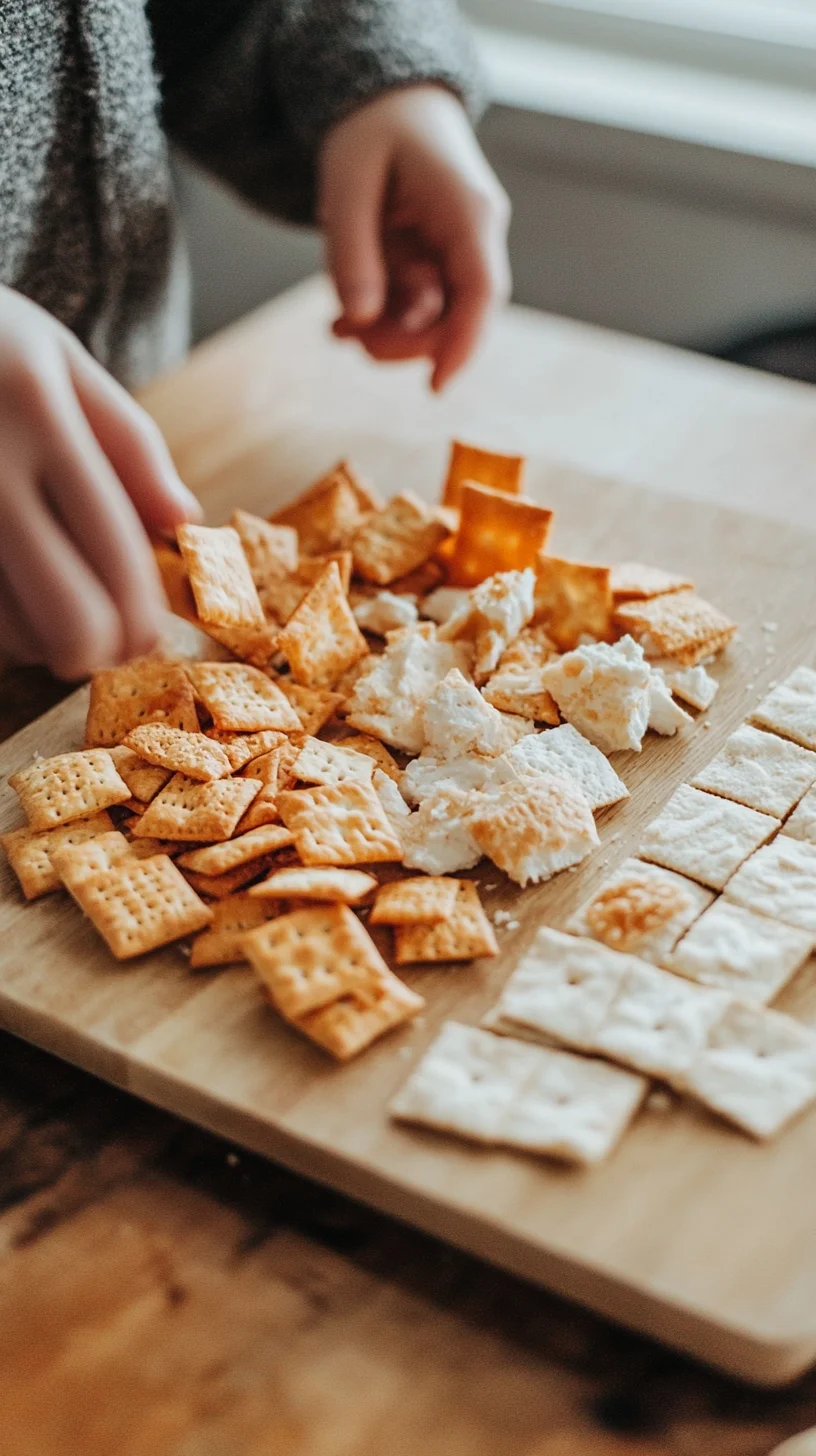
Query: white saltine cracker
[[641, 910], [759, 770], [802, 822], [704, 837], [388, 698], [498, 1091], [437, 839], [327, 763], [427, 775], [657, 1023], [734, 949], [561, 990], [780, 881], [790, 709], [693, 684], [565, 751], [458, 721], [758, 1069]]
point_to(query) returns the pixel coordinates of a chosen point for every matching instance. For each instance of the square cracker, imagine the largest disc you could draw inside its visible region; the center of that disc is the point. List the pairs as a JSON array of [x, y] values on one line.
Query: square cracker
[[497, 532], [790, 708], [142, 904], [388, 700], [658, 1023], [802, 822], [364, 743], [219, 575], [69, 786], [192, 754], [632, 581], [486, 467], [758, 1069], [329, 763], [339, 824], [192, 811], [222, 943], [420, 901], [329, 510], [641, 910], [679, 625], [242, 699], [780, 881], [465, 934], [736, 950], [273, 772], [147, 690], [465, 1083], [321, 638], [561, 990], [218, 859], [76, 864], [309, 958], [143, 779], [395, 541], [565, 751], [573, 599], [350, 1024], [29, 853], [761, 770], [243, 748], [329, 885], [314, 706], [533, 826], [255, 645], [271, 551], [704, 837], [222, 887]]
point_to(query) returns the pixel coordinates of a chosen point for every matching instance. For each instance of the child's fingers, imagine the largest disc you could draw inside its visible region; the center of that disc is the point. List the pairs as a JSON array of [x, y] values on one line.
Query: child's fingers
[[352, 197], [478, 278]]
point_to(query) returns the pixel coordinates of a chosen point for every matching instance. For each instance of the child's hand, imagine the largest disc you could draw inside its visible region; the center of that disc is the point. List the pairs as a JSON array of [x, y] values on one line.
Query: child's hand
[[416, 227], [83, 470]]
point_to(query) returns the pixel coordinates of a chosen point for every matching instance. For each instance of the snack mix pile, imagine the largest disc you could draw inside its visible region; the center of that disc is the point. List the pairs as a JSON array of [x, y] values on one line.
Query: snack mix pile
[[410, 690]]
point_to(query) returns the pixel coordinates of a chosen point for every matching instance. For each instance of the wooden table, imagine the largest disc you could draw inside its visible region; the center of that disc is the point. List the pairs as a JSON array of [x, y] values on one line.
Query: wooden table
[[164, 1295]]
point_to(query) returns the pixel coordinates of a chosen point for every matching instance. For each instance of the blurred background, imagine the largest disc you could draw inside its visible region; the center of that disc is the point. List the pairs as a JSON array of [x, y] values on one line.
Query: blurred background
[[661, 160]]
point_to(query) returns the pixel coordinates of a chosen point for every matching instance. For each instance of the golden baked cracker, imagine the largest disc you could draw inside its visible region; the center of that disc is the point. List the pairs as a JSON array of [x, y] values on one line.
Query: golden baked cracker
[[192, 754], [255, 645], [29, 854], [68, 786], [515, 686], [421, 581], [573, 599], [242, 748], [139, 905], [219, 574], [310, 958], [221, 944], [199, 812], [316, 882], [314, 706], [632, 581], [176, 585], [146, 690], [242, 698], [143, 779], [321, 639], [341, 824], [463, 935], [331, 763], [497, 532], [349, 1025], [329, 512], [679, 625], [271, 551], [76, 864], [273, 770], [218, 859], [420, 901], [397, 540], [484, 467], [364, 743], [221, 887]]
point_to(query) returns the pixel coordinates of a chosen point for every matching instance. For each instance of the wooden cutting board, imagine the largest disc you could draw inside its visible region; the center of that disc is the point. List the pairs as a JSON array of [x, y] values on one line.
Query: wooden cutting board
[[691, 1232]]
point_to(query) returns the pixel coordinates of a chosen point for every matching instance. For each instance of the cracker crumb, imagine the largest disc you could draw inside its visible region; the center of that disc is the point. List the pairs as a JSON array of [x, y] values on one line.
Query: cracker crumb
[[706, 725], [770, 626], [659, 1101], [513, 925], [501, 917]]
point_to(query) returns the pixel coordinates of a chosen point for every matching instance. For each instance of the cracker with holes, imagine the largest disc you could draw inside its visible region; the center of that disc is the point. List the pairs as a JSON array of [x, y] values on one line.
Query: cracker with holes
[[281, 598], [462, 936], [565, 751], [573, 600], [224, 886], [143, 779], [495, 612], [704, 837], [147, 690], [219, 574], [352, 1023], [658, 1023], [69, 786], [758, 1069], [314, 706], [759, 769], [780, 881], [802, 822], [271, 551], [736, 950], [330, 510], [244, 748], [321, 639], [388, 700], [641, 910], [604, 692], [339, 824], [139, 905], [222, 943], [485, 467], [309, 958], [497, 533], [533, 826], [516, 686], [273, 771], [679, 625], [218, 859], [242, 699], [396, 540], [373, 749], [328, 884], [192, 754], [76, 864], [330, 763], [790, 708], [561, 990], [632, 581], [421, 901], [193, 811], [29, 853]]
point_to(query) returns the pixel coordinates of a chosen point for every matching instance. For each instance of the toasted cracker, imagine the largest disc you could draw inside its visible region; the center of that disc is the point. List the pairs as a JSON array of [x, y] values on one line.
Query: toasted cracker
[[314, 706], [143, 779], [218, 859], [309, 958], [388, 699], [193, 811], [372, 748], [679, 625], [790, 708], [565, 751], [497, 533], [242, 748], [394, 806], [254, 645], [657, 1023], [221, 944], [533, 826], [802, 822], [704, 837], [192, 754], [329, 763], [29, 853], [242, 699], [438, 838], [330, 510], [779, 880], [139, 905], [221, 887], [758, 1069], [173, 573], [562, 988], [219, 574], [147, 690], [349, 1025], [463, 935], [281, 598], [271, 551], [76, 864], [68, 786], [632, 581], [274, 772], [759, 769], [397, 540], [485, 467], [604, 692], [736, 950], [516, 685], [641, 910], [421, 901], [321, 639], [573, 600], [341, 824], [334, 886]]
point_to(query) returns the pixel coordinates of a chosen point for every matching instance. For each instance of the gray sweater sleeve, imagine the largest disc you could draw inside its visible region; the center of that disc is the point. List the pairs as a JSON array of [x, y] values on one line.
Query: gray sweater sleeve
[[250, 87]]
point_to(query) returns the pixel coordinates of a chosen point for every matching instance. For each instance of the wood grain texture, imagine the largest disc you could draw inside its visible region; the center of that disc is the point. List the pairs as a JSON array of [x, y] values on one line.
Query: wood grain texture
[[658, 1238]]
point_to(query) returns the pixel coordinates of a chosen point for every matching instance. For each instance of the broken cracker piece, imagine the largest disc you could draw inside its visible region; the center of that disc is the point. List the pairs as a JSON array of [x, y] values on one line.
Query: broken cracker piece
[[397, 540], [420, 901], [463, 935], [271, 551], [364, 743], [388, 699], [143, 779], [632, 581], [146, 690], [565, 751], [194, 811], [604, 692], [679, 625], [192, 754], [438, 838], [533, 826], [573, 600], [321, 640]]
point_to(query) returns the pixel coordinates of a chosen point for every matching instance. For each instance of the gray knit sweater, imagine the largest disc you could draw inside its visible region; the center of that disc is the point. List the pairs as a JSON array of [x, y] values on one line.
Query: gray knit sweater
[[89, 90]]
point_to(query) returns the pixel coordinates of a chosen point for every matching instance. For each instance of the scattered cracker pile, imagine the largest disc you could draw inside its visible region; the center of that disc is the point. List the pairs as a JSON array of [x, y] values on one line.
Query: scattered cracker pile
[[411, 689]]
